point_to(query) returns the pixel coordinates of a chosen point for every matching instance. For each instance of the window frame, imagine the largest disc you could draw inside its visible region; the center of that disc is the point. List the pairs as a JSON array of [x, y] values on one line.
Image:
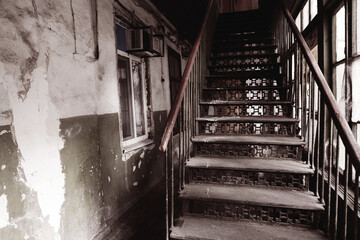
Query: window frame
[[135, 139]]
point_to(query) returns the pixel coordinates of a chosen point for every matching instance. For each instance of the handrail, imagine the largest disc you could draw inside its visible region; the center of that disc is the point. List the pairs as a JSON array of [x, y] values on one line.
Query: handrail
[[342, 125], [184, 81]]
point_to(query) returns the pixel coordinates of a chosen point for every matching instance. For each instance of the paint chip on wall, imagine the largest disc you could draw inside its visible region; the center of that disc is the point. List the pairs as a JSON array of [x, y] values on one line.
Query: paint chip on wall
[[4, 215], [135, 184], [3, 167]]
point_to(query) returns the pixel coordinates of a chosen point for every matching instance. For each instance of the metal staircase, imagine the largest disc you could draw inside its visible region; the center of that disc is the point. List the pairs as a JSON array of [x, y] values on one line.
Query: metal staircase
[[246, 178]]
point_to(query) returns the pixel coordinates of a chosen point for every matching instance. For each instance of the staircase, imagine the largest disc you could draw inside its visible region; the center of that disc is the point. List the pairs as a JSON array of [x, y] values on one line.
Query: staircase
[[246, 179]]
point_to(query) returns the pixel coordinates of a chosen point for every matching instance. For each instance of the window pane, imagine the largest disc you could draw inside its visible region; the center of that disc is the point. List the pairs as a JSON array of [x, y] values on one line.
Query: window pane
[[138, 98], [355, 82], [339, 41], [357, 14], [340, 97], [298, 21], [125, 98], [313, 8], [305, 15], [120, 38]]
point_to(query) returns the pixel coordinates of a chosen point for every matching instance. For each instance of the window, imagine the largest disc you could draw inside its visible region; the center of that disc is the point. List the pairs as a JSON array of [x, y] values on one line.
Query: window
[[355, 64], [175, 80], [307, 13], [338, 69], [131, 91]]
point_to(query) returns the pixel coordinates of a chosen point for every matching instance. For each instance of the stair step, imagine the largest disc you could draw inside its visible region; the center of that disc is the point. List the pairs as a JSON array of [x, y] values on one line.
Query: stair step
[[244, 75], [248, 164], [257, 119], [246, 102], [192, 228], [243, 48], [245, 88], [250, 195], [243, 139], [259, 55]]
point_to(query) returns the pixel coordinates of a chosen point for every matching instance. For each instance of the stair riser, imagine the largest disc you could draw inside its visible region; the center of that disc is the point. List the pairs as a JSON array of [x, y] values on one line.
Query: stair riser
[[235, 211], [223, 128], [233, 69], [237, 95], [245, 110], [243, 60], [229, 53], [234, 82], [248, 150], [237, 177]]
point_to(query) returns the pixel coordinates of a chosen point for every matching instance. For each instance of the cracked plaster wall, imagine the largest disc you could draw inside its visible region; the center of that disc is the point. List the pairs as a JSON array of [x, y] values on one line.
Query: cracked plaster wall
[[62, 171]]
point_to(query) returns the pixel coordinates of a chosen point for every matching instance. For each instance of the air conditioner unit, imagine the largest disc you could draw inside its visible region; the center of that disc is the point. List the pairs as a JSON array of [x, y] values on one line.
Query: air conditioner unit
[[144, 43]]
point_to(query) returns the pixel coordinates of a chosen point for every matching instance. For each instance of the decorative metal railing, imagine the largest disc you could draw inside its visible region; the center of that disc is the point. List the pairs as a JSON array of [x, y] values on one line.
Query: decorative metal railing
[[186, 106], [331, 147]]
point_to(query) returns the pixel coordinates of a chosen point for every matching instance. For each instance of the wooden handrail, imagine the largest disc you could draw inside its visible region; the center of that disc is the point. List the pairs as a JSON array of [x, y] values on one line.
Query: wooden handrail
[[342, 125], [184, 81]]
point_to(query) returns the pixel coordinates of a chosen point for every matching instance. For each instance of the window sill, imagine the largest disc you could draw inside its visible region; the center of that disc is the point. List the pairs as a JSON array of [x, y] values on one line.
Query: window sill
[[137, 145]]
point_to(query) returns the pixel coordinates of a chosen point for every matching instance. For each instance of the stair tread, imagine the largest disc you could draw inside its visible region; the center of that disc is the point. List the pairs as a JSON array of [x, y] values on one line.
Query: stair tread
[[253, 195], [248, 119], [248, 164], [246, 139], [214, 229], [248, 102]]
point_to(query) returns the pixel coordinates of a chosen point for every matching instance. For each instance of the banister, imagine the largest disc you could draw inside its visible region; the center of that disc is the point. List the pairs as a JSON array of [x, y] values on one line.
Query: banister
[[342, 125], [184, 81]]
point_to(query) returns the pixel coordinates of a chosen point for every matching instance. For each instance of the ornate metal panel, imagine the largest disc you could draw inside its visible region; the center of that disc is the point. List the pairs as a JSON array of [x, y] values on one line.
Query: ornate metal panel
[[245, 110], [249, 150], [238, 82], [247, 128], [234, 95], [240, 52], [254, 213], [280, 180], [244, 68], [244, 59]]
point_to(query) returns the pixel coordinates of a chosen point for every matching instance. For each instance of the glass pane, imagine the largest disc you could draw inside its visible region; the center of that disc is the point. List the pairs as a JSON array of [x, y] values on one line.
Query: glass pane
[[125, 98], [357, 14], [305, 15], [355, 82], [138, 98], [298, 21], [120, 38], [339, 41], [313, 8]]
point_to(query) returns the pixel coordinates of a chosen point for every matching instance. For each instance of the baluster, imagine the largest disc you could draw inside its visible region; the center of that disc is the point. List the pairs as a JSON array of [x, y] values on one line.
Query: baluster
[[167, 192], [356, 205], [309, 110], [172, 182], [322, 133], [303, 99], [329, 177], [313, 131], [297, 81], [317, 169], [336, 207], [346, 186], [181, 150]]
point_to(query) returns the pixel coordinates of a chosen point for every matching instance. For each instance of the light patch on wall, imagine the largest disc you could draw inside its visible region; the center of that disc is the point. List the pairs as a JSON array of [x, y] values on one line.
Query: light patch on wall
[[4, 215], [36, 127]]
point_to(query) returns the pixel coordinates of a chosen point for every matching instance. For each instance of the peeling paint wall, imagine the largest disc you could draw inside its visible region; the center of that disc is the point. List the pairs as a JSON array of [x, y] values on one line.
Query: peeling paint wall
[[63, 171]]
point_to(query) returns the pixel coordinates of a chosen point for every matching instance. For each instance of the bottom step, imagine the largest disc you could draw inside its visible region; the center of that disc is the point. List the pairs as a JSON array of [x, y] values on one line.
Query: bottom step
[[192, 228]]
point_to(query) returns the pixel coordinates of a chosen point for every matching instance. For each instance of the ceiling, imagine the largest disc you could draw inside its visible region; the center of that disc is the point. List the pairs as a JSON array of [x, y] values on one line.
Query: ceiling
[[185, 15]]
